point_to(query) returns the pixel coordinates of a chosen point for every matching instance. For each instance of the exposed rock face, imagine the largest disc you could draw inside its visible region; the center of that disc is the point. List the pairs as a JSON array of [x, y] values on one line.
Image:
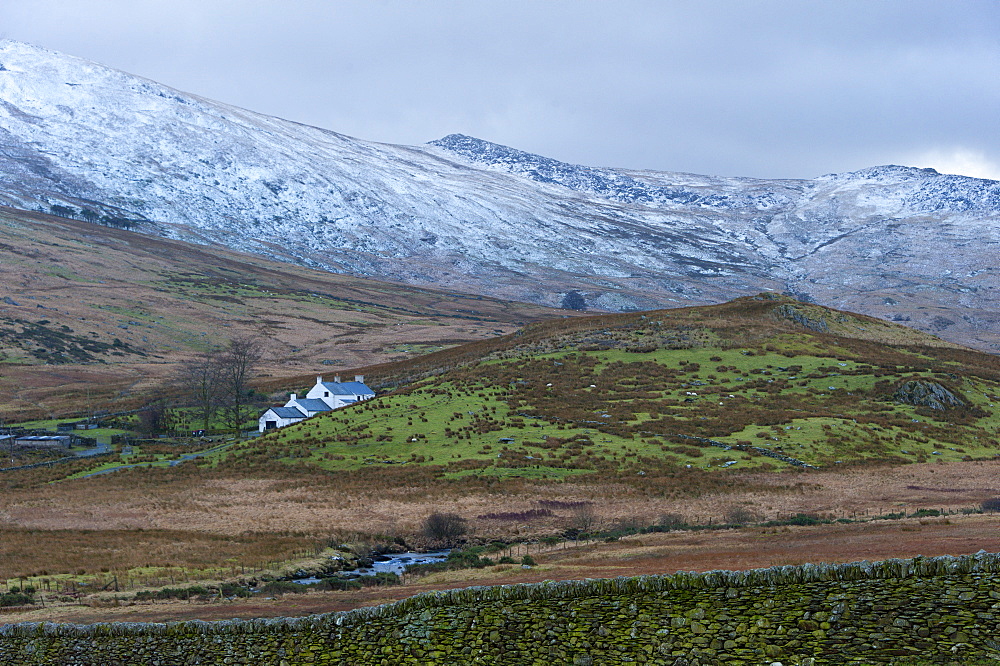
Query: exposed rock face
[[792, 314], [922, 393]]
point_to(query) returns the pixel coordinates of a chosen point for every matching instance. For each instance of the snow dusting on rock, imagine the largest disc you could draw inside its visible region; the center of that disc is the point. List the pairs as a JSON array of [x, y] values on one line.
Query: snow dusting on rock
[[82, 140]]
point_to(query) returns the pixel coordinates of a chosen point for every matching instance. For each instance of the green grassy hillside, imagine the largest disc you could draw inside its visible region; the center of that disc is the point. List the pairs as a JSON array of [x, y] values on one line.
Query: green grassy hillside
[[761, 382]]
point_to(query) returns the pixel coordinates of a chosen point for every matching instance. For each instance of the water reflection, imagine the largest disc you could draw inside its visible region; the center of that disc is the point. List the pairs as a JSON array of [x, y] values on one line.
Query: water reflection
[[395, 563]]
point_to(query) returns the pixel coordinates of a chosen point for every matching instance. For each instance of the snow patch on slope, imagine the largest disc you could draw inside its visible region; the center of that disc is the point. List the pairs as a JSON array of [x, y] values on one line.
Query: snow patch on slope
[[83, 140]]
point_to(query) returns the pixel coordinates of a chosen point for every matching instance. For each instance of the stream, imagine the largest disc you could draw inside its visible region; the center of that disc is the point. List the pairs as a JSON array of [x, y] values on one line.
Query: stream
[[394, 563]]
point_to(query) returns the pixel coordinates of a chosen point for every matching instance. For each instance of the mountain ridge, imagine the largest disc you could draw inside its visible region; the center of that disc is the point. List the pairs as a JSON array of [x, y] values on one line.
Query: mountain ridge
[[88, 142]]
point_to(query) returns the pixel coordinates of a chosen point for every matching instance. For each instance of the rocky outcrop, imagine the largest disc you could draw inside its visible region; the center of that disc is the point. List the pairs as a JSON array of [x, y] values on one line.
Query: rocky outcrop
[[791, 313], [923, 393]]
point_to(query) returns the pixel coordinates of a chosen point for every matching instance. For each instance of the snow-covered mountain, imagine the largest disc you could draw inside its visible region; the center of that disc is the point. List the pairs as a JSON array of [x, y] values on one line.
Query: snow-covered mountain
[[82, 140]]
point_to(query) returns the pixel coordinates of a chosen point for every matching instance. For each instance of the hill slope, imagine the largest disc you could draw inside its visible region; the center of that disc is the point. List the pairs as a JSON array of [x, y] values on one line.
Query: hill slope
[[761, 382], [82, 140], [86, 309]]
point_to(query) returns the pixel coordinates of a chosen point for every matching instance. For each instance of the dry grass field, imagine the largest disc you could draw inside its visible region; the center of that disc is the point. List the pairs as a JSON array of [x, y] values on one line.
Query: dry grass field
[[743, 548], [211, 503], [207, 525]]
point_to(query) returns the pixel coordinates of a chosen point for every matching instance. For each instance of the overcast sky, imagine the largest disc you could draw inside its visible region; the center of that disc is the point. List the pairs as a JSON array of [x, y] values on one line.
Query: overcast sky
[[769, 89]]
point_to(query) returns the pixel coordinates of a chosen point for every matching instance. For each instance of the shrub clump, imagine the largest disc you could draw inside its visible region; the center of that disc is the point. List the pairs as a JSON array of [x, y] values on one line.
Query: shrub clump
[[992, 504], [466, 558], [741, 515], [18, 597], [803, 519], [193, 592]]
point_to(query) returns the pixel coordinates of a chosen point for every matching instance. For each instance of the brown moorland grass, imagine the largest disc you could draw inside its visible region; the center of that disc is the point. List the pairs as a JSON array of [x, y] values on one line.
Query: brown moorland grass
[[118, 550], [221, 514], [744, 548]]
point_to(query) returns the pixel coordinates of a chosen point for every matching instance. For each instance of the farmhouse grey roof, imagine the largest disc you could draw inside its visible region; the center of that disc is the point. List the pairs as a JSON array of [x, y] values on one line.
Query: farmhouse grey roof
[[347, 388], [312, 404], [288, 413]]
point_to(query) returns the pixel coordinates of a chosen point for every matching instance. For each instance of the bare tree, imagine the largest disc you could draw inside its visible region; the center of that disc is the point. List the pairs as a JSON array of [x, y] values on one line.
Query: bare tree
[[671, 521], [236, 364], [199, 379], [154, 418], [446, 527], [740, 515], [584, 517]]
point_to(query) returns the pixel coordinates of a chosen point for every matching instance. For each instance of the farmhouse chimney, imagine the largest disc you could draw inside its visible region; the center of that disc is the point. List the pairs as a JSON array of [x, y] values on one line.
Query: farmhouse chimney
[[319, 379], [359, 379], [336, 379], [293, 396]]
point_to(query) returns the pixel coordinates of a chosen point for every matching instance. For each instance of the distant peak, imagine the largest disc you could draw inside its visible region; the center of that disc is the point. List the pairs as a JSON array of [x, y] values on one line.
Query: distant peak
[[471, 146], [14, 45], [454, 138], [496, 154], [457, 138], [885, 172]]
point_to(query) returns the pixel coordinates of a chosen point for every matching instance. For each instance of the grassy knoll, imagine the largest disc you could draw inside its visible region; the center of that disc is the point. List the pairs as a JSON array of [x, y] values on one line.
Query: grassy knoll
[[650, 392], [760, 383]]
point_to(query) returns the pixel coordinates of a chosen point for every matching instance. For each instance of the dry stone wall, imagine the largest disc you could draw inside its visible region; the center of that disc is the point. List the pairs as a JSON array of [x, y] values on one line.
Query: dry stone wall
[[941, 609]]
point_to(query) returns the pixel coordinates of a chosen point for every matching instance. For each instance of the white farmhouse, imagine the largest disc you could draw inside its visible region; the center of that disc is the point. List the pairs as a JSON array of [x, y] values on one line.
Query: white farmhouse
[[279, 417], [323, 397], [338, 394]]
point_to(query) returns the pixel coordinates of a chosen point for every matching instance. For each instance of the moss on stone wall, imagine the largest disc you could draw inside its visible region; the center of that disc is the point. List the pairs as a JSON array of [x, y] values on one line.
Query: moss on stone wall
[[937, 608]]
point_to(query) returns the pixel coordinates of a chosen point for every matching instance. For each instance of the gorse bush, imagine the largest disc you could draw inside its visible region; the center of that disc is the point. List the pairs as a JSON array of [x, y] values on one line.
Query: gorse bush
[[280, 587], [193, 592], [925, 513]]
